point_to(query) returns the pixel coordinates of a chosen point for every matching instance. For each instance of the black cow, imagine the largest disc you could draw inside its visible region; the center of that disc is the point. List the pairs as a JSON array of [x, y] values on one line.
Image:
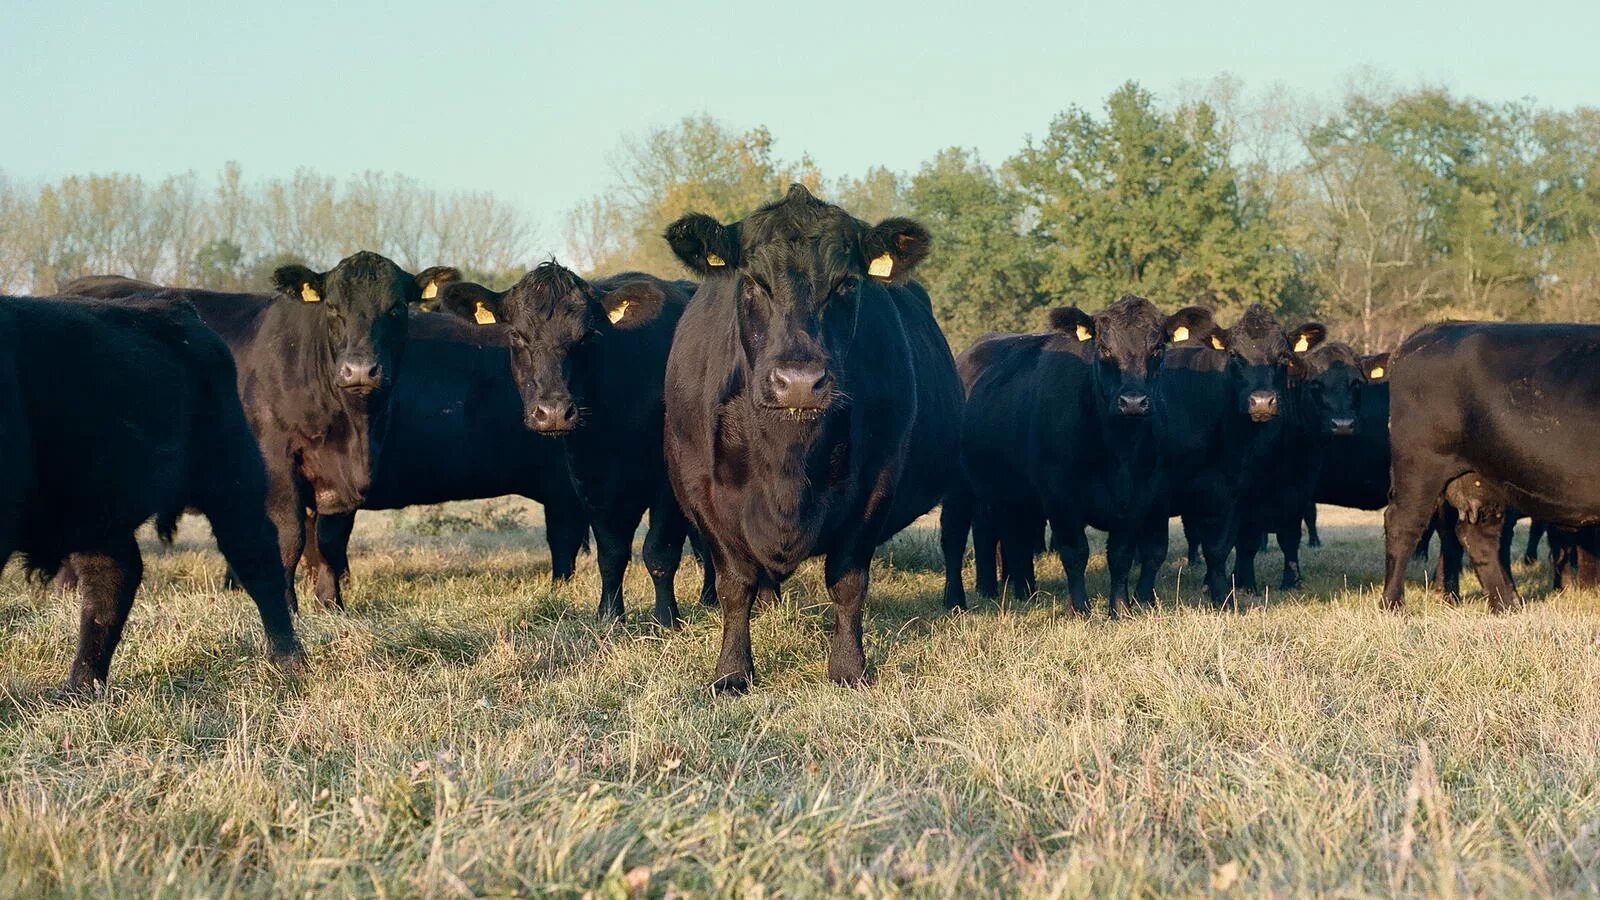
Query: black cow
[[112, 414], [315, 365], [1058, 427], [589, 360], [456, 433], [1514, 403], [812, 406], [1357, 475]]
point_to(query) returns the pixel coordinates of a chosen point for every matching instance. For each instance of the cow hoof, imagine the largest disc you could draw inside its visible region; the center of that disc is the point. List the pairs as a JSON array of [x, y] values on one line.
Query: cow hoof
[[289, 663], [1314, 542], [670, 622], [955, 601], [732, 684], [849, 677]]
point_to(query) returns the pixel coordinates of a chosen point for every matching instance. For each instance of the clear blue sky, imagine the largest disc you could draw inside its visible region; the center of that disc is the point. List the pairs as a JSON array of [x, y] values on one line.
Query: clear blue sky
[[529, 99]]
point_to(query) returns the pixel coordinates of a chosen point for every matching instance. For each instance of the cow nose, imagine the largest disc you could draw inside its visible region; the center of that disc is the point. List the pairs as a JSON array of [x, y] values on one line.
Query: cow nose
[[362, 376], [1343, 427], [800, 386], [1262, 405], [553, 417], [1133, 404]]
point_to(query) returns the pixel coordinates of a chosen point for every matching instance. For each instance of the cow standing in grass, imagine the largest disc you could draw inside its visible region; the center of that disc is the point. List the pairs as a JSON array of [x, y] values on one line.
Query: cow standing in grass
[[1058, 427], [812, 407], [589, 359], [111, 414]]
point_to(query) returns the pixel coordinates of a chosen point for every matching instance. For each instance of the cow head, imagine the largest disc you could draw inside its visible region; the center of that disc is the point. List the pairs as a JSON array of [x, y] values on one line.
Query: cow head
[[1330, 383], [1264, 358], [1375, 368], [553, 318], [363, 301], [1126, 340], [801, 270], [433, 280]]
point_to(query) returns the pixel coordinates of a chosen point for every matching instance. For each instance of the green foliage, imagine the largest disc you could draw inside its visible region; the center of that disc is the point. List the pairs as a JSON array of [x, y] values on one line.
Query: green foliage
[[1147, 202], [985, 272]]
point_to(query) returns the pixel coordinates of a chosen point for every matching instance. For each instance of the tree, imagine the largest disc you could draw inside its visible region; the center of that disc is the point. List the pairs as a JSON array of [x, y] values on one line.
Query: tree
[[984, 273], [1148, 202]]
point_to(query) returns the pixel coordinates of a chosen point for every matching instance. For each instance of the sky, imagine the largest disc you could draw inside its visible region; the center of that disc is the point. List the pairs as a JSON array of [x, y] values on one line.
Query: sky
[[530, 100]]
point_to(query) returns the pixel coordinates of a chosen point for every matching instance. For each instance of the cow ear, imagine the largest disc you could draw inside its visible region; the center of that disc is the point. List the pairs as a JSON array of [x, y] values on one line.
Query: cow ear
[[298, 282], [472, 302], [1190, 324], [894, 247], [1074, 321], [632, 304], [1375, 367], [431, 279], [1307, 336], [703, 244]]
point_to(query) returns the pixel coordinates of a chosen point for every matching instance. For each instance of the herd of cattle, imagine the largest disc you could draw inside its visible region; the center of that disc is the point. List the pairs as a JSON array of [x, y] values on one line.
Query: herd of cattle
[[799, 400]]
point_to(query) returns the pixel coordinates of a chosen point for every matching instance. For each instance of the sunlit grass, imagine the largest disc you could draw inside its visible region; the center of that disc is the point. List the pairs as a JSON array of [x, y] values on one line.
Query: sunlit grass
[[467, 729]]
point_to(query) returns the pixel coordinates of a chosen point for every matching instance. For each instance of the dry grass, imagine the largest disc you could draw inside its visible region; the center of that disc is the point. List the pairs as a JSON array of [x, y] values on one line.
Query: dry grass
[[466, 729]]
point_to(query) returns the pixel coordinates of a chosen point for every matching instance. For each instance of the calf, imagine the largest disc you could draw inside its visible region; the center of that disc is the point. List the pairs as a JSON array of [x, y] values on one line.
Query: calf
[[111, 415], [811, 406], [456, 433], [1058, 428], [315, 365], [1514, 403], [588, 360]]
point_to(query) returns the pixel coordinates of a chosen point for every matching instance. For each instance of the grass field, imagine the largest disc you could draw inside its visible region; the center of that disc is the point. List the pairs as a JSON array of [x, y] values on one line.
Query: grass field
[[465, 729]]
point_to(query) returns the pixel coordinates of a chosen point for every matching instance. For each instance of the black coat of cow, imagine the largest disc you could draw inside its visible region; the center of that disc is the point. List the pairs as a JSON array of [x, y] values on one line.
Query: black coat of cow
[[456, 433], [112, 414], [1517, 404], [316, 364], [812, 406], [589, 360], [1059, 427]]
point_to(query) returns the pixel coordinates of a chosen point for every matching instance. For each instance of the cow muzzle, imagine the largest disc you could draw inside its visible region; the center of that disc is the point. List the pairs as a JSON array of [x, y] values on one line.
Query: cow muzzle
[[1133, 403], [558, 417], [1262, 406], [1342, 427], [803, 387], [359, 375]]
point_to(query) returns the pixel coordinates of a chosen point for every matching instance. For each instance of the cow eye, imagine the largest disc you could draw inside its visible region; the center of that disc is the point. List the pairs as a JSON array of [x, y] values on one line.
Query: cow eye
[[847, 285]]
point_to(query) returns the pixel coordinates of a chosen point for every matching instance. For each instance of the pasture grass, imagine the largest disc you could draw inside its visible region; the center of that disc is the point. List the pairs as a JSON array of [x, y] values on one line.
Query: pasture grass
[[466, 729]]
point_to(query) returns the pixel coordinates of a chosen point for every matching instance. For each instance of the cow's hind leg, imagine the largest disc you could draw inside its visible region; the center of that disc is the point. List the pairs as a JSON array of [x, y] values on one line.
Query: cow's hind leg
[[1017, 548], [985, 552], [108, 578], [1313, 539], [1481, 538], [1413, 495], [955, 520], [1448, 574]]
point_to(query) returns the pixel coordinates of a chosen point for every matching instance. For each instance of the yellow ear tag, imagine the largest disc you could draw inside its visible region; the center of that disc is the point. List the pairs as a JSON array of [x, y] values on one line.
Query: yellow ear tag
[[431, 291], [711, 260], [1083, 333], [1377, 372], [882, 267], [309, 294], [1302, 345], [1216, 343], [616, 314], [481, 314], [1180, 334]]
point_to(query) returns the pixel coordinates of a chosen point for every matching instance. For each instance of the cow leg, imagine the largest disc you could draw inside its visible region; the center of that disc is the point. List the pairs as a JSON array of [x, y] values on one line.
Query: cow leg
[[1313, 539], [847, 584], [1214, 532], [955, 520], [708, 569], [565, 528], [1016, 555], [1072, 546], [985, 552], [1563, 557], [1536, 533], [288, 514], [1289, 543], [1448, 575], [330, 535], [736, 667], [1482, 541], [1191, 539], [663, 553], [1119, 559], [109, 578], [1152, 549], [613, 542], [1413, 496], [1251, 537]]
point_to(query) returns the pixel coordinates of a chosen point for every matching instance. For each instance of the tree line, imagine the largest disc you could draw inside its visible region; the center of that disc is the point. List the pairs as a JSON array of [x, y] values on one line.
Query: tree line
[[1385, 210]]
